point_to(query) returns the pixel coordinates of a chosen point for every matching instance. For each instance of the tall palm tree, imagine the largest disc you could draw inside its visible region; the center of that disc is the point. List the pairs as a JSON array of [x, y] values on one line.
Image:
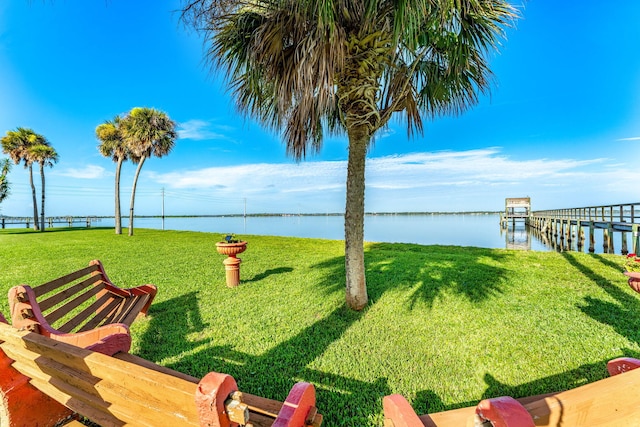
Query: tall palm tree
[[45, 155], [16, 144], [5, 168], [147, 132], [346, 66], [113, 145]]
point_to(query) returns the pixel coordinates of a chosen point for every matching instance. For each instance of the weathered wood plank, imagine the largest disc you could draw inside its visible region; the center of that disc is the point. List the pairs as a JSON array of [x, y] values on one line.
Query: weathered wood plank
[[79, 318], [101, 314], [257, 404], [134, 309], [46, 304], [61, 311], [114, 391], [609, 402], [60, 281], [129, 389]]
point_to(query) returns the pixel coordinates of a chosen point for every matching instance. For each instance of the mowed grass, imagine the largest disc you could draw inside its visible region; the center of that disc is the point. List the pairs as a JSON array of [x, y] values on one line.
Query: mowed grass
[[446, 326]]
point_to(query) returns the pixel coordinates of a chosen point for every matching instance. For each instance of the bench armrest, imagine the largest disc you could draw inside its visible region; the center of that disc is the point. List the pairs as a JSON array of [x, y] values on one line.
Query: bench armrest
[[399, 413], [107, 339]]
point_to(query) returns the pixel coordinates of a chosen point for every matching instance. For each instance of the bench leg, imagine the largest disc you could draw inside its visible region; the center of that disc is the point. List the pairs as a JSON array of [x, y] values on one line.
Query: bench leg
[[21, 403]]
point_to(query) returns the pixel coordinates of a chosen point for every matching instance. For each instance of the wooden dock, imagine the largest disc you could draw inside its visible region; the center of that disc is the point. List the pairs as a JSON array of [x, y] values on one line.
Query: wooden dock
[[50, 221], [515, 209], [579, 225]]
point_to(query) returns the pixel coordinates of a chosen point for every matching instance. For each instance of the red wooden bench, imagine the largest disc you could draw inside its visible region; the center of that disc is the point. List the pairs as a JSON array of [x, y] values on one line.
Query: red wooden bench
[[83, 308], [611, 402], [49, 383]]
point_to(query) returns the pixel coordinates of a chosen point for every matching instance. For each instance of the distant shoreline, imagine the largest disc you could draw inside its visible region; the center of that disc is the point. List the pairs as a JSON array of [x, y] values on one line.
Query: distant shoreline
[[6, 217]]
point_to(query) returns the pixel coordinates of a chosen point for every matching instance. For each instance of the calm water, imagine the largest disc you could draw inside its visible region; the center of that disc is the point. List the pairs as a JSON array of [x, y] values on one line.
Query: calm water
[[460, 230], [481, 230]]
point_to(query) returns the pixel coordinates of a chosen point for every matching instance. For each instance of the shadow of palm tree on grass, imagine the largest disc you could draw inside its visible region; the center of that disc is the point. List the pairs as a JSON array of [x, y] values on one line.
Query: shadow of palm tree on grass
[[170, 323], [432, 270], [342, 400], [423, 272], [623, 316], [607, 262]]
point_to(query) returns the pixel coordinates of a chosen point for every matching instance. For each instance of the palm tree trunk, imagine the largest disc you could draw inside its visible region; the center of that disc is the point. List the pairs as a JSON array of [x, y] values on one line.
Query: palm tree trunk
[[42, 196], [118, 215], [35, 200], [133, 194], [356, 292]]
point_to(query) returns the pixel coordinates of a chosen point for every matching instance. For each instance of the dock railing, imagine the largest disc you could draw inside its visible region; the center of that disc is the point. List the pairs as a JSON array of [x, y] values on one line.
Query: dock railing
[[70, 221], [571, 223]]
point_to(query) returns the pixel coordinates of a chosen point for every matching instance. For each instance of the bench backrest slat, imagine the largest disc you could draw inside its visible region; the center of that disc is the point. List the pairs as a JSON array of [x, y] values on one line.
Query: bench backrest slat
[[60, 281], [61, 311], [131, 309], [102, 313], [46, 304], [82, 380], [85, 314]]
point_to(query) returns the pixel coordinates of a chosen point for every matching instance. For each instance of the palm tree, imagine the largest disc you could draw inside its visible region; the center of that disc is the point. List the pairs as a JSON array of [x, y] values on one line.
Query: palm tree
[[16, 144], [305, 66], [113, 145], [45, 155], [147, 132], [5, 168]]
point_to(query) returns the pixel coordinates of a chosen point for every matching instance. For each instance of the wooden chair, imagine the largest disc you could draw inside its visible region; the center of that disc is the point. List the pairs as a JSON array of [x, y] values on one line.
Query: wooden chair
[[83, 308]]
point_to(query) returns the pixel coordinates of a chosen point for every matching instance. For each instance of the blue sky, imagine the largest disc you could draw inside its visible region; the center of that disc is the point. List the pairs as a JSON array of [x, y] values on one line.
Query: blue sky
[[562, 123]]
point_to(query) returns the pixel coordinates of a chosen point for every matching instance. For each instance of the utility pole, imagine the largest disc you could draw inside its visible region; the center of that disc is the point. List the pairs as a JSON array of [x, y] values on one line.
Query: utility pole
[[245, 207], [162, 208]]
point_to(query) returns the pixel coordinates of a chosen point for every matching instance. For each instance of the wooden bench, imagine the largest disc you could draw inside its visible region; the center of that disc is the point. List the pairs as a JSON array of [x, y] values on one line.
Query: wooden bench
[[83, 308], [44, 382], [611, 402]]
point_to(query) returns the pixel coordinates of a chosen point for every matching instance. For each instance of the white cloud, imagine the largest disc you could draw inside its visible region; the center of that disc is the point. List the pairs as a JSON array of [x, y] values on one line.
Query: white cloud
[[260, 177], [199, 130], [427, 181], [88, 172], [483, 176], [633, 138], [462, 168]]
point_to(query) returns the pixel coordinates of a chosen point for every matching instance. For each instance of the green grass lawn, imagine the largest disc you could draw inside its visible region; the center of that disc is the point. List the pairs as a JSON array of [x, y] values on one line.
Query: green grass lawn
[[446, 326]]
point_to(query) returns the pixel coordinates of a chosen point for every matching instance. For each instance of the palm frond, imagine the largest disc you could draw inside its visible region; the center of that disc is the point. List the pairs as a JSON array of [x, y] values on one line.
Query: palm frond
[[298, 66]]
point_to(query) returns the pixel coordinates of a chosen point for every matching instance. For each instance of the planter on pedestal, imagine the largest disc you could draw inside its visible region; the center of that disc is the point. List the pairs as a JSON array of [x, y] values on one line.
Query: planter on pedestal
[[232, 263]]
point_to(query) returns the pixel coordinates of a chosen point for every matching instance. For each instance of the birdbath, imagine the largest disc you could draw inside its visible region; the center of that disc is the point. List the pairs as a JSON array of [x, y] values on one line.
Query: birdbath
[[232, 262]]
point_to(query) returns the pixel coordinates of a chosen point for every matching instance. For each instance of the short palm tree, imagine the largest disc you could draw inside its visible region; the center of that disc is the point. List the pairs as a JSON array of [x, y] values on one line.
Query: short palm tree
[[16, 144], [5, 168], [45, 155], [147, 132], [113, 145], [303, 67]]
